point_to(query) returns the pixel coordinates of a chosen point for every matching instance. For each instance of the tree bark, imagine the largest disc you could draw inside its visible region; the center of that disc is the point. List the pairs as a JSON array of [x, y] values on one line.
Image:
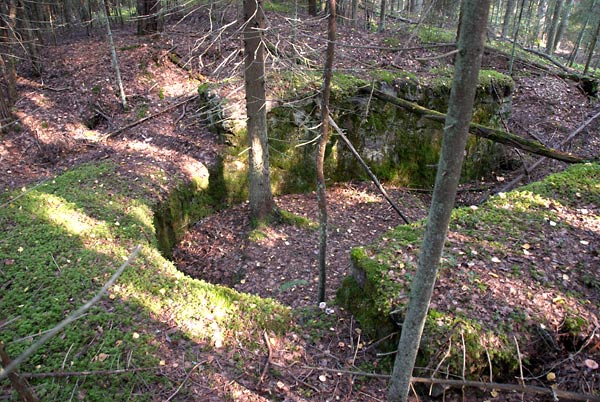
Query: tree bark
[[321, 188], [593, 43], [456, 128], [149, 19], [479, 130], [115, 60], [573, 54], [312, 7], [510, 9], [562, 26], [262, 204], [553, 26]]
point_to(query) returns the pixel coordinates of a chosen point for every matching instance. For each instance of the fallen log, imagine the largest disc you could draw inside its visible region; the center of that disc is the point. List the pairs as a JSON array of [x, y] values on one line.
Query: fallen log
[[478, 130]]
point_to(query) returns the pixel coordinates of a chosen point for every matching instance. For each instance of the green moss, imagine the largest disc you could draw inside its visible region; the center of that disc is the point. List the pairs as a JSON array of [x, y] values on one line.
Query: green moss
[[382, 272], [429, 34], [391, 41], [60, 241]]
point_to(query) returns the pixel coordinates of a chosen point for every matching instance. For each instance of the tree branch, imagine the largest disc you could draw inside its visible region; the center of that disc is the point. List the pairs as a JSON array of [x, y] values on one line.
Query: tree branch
[[479, 130]]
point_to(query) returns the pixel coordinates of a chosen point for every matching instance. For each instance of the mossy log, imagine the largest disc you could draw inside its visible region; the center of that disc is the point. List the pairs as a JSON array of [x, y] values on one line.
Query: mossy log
[[479, 130]]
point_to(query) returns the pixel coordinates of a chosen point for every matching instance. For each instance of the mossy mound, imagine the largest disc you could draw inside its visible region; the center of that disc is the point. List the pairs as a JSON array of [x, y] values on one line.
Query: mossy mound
[[490, 282], [59, 243]]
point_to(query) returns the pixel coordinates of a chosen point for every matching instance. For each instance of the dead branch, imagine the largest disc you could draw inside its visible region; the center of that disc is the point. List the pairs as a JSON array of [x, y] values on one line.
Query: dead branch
[[479, 130], [369, 172], [528, 389], [185, 380], [18, 382], [268, 359], [72, 317], [135, 123], [529, 169]]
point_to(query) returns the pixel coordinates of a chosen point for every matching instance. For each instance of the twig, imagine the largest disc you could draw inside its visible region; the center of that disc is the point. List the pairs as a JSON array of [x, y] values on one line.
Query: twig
[[23, 193], [19, 383], [529, 169], [135, 123], [64, 374], [268, 360], [521, 377], [439, 56], [371, 175], [184, 381], [4, 324], [531, 389], [72, 317]]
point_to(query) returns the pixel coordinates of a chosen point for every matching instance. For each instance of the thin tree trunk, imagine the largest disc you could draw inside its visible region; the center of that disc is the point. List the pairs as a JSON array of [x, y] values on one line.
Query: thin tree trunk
[[262, 204], [312, 7], [510, 9], [113, 55], [460, 109], [573, 55], [515, 39], [564, 22], [321, 189], [592, 47], [381, 27], [553, 26]]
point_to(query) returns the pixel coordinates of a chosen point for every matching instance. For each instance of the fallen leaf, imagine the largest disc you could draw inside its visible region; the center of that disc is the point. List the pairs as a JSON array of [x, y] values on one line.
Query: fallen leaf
[[591, 364]]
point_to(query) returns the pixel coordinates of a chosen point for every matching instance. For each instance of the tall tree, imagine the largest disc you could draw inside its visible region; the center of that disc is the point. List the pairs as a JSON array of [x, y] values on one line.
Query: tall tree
[[460, 109], [8, 75], [562, 25], [262, 204], [575, 50], [510, 10], [312, 7], [113, 55], [553, 26], [592, 47], [321, 189], [149, 18]]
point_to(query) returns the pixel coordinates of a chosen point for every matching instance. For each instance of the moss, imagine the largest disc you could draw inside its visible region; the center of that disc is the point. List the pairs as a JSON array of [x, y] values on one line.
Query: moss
[[382, 273], [60, 241], [429, 34]]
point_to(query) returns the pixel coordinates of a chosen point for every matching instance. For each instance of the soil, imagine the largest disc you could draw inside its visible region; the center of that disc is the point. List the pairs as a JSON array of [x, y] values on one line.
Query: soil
[[64, 114]]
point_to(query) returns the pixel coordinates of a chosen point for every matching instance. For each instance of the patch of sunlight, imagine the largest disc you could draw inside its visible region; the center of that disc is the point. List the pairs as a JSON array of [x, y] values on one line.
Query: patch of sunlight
[[521, 201], [195, 170], [66, 215], [141, 212]]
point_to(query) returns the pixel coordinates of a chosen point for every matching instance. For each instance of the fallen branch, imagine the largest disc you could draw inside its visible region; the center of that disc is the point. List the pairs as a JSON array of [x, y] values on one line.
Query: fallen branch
[[369, 172], [72, 317], [439, 56], [479, 130], [529, 169], [528, 389], [135, 123], [18, 382]]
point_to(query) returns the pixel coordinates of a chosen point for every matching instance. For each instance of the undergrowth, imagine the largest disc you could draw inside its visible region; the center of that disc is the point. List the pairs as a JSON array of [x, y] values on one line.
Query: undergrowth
[[60, 241]]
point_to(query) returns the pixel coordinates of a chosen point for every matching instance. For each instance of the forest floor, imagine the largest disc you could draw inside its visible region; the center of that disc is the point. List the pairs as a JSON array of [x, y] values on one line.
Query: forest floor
[[65, 113]]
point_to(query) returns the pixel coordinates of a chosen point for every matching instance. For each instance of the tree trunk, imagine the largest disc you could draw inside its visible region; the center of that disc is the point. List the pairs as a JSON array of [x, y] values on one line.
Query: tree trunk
[[541, 11], [115, 60], [553, 26], [262, 204], [592, 47], [321, 189], [381, 26], [354, 16], [510, 9], [8, 75], [149, 19], [312, 7], [564, 22], [573, 54], [460, 109], [515, 38]]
